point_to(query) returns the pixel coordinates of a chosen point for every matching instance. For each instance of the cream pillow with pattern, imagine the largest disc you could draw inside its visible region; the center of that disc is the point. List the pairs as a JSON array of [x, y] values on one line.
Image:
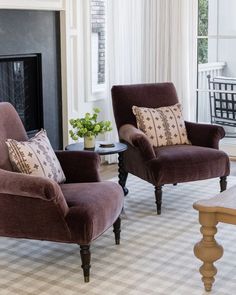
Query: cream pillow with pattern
[[163, 126], [35, 157]]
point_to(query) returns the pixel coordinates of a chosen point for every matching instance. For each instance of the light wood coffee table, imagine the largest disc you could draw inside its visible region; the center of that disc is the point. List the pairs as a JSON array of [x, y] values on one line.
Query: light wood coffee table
[[221, 208]]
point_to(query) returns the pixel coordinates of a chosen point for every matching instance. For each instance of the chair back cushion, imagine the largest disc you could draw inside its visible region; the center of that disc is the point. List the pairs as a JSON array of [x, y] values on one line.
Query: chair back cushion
[[124, 97], [163, 126], [35, 157], [10, 127]]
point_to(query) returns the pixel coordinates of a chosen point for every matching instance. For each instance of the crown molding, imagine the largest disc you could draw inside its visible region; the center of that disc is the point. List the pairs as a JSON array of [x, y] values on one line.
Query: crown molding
[[56, 5]]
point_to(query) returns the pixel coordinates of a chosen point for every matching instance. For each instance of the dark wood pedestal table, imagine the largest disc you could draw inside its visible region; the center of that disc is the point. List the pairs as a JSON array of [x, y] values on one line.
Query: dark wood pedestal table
[[118, 148]]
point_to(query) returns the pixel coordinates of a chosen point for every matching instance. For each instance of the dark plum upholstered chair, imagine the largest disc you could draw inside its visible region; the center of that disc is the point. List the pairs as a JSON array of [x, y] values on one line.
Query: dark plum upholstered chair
[[77, 211], [166, 164]]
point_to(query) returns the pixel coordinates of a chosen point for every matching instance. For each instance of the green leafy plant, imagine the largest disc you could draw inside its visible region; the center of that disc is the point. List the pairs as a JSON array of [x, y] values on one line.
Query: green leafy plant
[[203, 7], [89, 125]]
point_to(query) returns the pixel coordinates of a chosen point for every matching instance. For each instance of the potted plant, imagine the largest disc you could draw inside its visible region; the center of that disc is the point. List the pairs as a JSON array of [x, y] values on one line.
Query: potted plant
[[88, 128]]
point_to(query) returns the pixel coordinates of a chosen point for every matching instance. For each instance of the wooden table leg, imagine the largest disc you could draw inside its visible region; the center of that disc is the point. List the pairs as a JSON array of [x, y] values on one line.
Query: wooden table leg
[[208, 250], [122, 174]]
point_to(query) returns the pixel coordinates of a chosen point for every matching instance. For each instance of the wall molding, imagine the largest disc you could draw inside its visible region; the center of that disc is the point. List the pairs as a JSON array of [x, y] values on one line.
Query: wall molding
[[35, 4]]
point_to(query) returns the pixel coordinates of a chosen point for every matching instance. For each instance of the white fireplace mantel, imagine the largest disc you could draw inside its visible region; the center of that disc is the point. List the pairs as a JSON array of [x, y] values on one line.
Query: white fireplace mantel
[[33, 4]]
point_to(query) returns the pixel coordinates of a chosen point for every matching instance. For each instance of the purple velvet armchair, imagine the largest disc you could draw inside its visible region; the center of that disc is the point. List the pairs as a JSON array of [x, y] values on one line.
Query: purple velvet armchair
[[168, 164], [77, 211]]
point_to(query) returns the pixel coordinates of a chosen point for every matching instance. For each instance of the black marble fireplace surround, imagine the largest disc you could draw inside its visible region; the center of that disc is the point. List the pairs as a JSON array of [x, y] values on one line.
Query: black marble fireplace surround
[[30, 41], [21, 85]]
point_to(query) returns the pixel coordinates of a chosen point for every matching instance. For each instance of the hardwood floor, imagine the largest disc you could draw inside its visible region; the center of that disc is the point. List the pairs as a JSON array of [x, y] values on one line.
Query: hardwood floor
[[108, 171], [233, 168]]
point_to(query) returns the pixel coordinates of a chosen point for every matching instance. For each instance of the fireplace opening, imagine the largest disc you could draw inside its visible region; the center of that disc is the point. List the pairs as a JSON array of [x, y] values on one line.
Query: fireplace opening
[[21, 85]]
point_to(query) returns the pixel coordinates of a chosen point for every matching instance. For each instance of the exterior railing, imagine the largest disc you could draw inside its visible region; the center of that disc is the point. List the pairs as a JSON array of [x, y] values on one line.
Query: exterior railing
[[214, 70]]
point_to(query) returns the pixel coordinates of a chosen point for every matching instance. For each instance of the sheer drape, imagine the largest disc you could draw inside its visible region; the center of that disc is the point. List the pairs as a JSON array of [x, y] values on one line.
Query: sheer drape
[[169, 42], [124, 50], [153, 41]]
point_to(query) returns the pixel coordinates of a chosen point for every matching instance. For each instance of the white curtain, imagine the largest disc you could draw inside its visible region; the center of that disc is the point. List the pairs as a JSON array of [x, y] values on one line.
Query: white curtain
[[124, 50], [153, 41], [170, 47], [124, 41]]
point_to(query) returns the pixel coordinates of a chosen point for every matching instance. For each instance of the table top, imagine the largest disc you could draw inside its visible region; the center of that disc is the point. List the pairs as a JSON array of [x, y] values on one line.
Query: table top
[[118, 148], [224, 203]]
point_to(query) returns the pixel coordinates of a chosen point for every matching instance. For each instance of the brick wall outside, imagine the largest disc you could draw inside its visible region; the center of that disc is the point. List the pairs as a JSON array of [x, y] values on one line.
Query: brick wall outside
[[98, 27]]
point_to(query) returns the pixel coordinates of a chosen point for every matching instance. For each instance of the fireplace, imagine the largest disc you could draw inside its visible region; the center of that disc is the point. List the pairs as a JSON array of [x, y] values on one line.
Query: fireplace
[[30, 69], [21, 85]]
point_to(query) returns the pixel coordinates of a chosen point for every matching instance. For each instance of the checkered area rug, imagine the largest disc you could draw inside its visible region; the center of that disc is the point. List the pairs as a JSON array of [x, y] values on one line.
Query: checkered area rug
[[155, 255]]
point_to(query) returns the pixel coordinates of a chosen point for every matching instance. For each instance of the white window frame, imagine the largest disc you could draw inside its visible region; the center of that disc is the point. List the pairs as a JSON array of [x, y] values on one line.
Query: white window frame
[[93, 90], [216, 37]]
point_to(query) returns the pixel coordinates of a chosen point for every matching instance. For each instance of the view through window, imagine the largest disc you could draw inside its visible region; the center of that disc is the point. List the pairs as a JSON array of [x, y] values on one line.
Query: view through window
[[217, 63], [98, 44]]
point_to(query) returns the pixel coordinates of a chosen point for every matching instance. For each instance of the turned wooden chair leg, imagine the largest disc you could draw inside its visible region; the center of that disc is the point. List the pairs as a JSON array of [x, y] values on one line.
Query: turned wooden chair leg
[[117, 230], [208, 250], [223, 183], [85, 258], [158, 195]]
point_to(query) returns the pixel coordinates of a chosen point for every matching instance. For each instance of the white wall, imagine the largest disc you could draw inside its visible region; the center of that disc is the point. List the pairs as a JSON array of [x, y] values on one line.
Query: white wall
[[76, 101]]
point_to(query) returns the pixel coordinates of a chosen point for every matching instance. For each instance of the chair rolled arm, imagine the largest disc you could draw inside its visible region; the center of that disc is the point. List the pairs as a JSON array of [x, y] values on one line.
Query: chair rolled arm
[[205, 135], [138, 139], [19, 184], [79, 166]]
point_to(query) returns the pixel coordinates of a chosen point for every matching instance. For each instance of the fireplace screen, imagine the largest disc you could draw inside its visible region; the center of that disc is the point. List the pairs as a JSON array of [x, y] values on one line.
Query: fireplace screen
[[20, 84]]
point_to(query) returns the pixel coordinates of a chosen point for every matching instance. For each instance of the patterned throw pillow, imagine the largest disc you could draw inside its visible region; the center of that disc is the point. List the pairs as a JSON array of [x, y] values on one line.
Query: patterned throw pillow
[[163, 126], [35, 157]]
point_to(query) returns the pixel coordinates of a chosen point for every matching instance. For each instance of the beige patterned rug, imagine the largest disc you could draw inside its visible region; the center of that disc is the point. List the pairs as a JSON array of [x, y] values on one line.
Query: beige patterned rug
[[155, 255]]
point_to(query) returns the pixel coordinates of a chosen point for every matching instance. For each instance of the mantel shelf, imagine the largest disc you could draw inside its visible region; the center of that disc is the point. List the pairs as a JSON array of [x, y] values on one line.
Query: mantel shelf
[[34, 5]]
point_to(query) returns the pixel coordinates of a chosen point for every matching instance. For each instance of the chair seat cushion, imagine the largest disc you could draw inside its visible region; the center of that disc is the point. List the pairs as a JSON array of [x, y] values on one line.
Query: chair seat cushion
[[184, 163], [93, 208]]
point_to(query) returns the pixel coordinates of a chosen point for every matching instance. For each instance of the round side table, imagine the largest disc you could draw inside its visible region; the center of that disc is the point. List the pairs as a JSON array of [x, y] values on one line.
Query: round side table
[[118, 148]]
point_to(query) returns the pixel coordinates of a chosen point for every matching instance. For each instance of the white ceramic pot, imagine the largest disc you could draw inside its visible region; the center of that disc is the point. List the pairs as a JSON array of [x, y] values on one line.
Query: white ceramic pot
[[89, 142]]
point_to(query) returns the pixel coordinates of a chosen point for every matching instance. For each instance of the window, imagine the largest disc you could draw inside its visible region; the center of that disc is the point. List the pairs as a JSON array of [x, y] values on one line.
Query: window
[[96, 49], [203, 32], [216, 48]]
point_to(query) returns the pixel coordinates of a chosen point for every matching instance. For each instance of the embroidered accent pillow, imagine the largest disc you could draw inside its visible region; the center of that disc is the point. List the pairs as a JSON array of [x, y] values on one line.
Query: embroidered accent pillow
[[163, 126], [35, 157]]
